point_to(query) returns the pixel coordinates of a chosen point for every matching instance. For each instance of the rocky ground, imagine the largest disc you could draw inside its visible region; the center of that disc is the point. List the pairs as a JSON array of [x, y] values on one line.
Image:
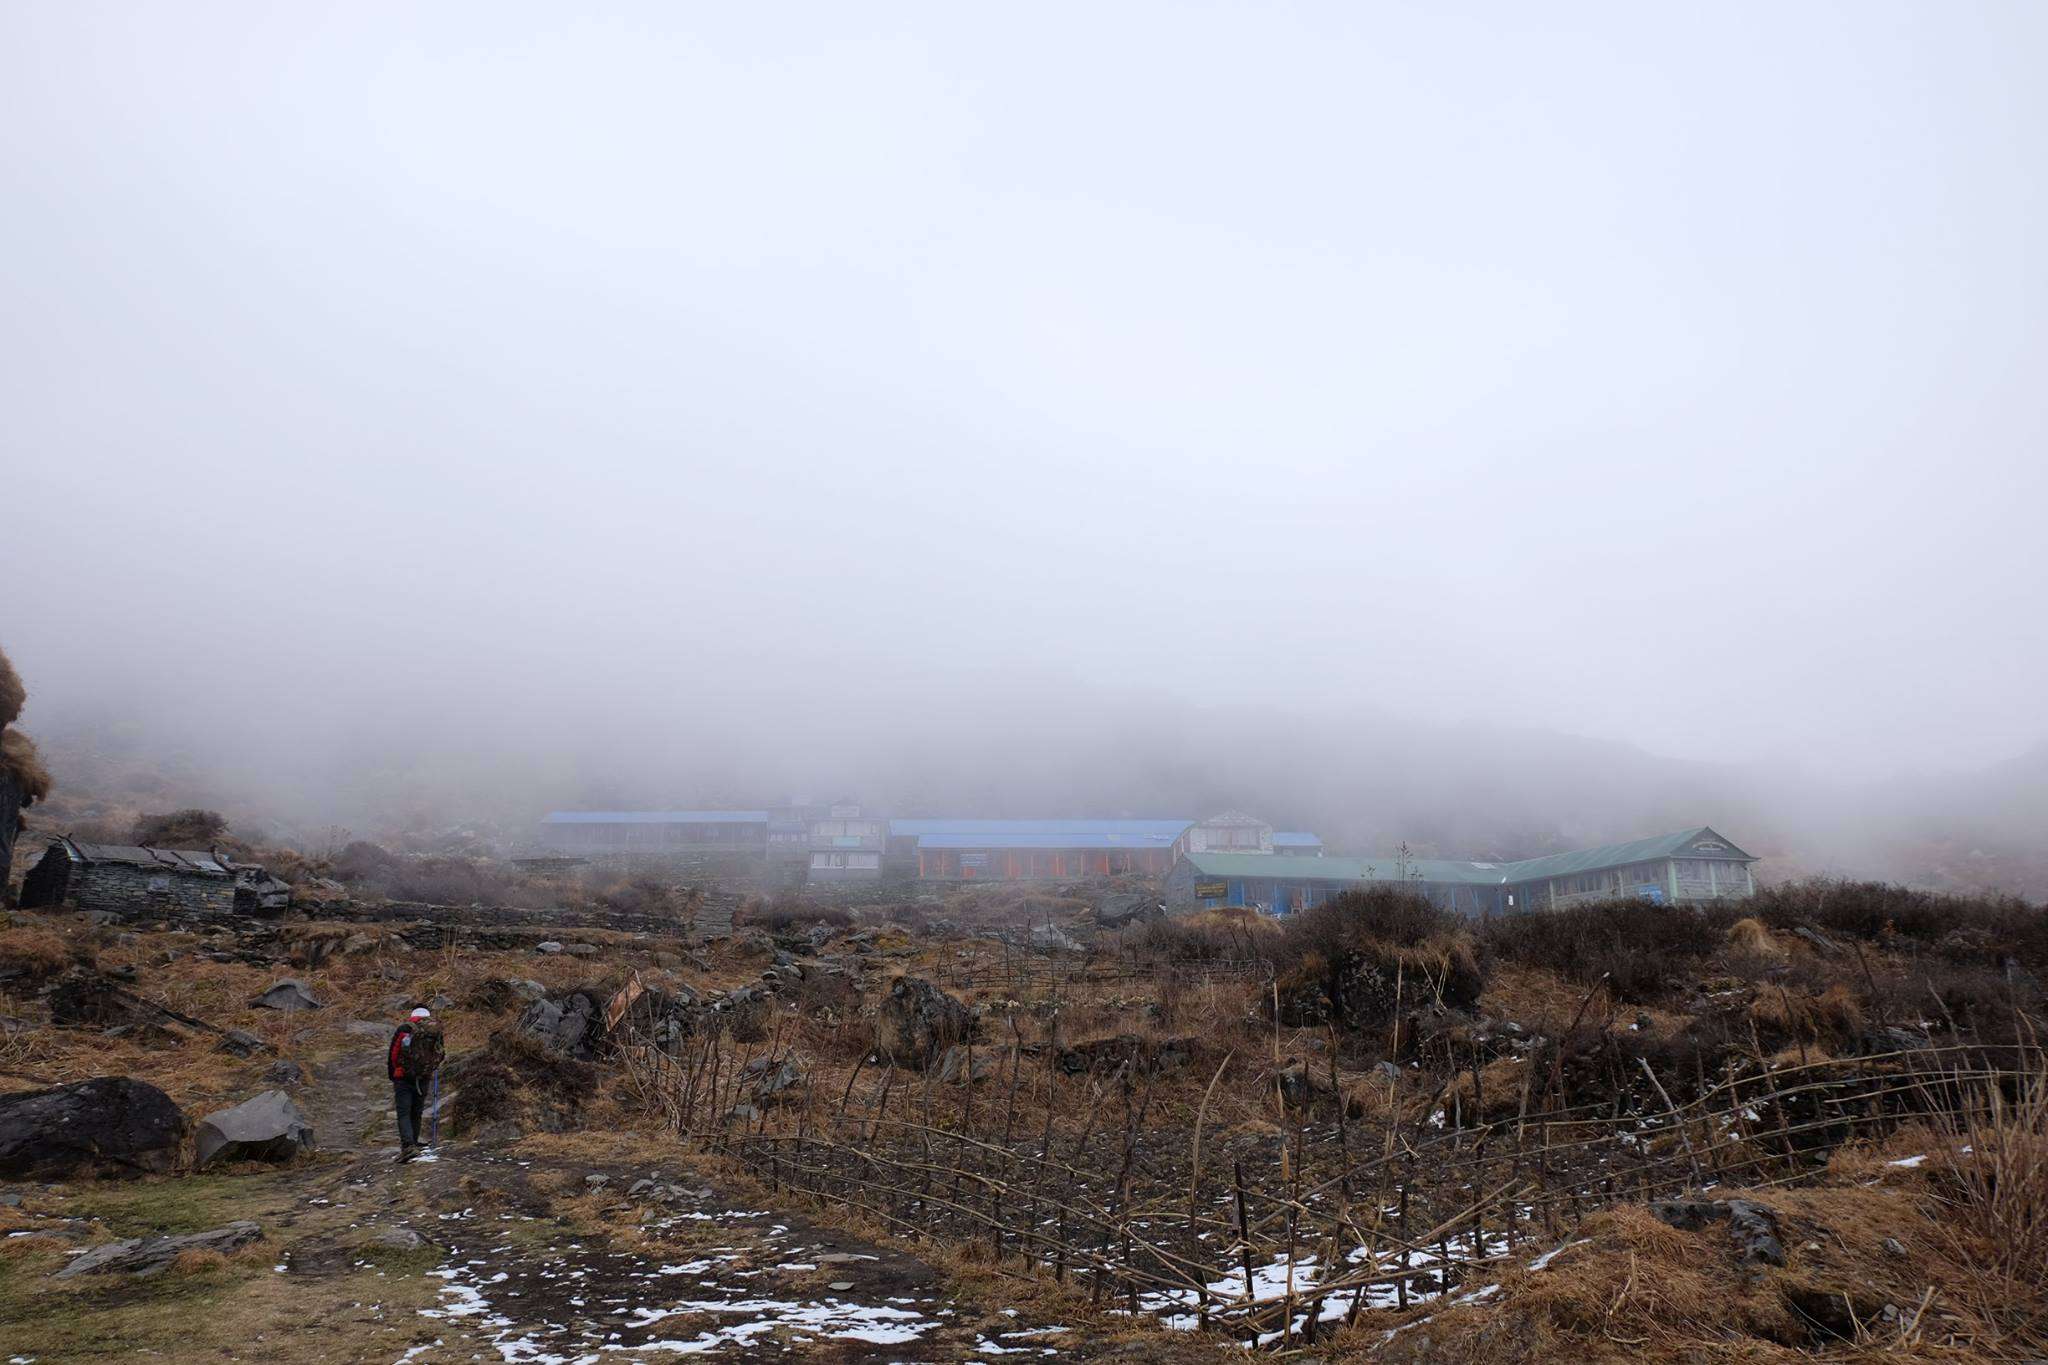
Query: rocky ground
[[602, 1241]]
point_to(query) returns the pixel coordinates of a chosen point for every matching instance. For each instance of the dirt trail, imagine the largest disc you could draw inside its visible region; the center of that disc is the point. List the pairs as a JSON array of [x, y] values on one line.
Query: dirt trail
[[526, 1273]]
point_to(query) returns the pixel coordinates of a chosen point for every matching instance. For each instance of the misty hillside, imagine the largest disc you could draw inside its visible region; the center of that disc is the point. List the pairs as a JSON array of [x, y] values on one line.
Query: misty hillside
[[1367, 786]]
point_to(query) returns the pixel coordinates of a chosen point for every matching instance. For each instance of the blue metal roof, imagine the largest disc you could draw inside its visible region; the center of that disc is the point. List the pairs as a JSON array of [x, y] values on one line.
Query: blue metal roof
[[1171, 829], [655, 817], [1050, 839]]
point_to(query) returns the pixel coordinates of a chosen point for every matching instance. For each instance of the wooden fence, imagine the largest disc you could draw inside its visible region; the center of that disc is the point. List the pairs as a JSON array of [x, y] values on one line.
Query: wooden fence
[[1273, 1236]]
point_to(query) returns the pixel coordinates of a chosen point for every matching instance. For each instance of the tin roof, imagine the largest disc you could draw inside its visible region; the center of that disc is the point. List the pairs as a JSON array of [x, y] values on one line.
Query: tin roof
[[1287, 867], [1692, 843], [1695, 843], [655, 817], [1171, 829], [1050, 839]]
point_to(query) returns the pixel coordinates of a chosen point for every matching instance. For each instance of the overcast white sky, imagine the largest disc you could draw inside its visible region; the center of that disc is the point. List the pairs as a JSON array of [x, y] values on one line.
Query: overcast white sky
[[1667, 374]]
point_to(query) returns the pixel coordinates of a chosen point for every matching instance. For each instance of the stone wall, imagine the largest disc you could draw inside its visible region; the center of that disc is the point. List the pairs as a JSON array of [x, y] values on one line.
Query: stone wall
[[140, 893]]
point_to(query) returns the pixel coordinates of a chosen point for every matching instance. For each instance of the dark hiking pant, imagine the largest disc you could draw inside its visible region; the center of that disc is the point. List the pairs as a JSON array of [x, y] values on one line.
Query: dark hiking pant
[[410, 1103]]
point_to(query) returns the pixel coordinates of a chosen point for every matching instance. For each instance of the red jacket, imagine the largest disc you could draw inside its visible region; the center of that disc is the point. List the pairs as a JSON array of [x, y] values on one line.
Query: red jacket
[[400, 1041]]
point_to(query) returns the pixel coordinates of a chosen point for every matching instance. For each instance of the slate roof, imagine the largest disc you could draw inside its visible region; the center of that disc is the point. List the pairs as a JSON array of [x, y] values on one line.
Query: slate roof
[[193, 862]]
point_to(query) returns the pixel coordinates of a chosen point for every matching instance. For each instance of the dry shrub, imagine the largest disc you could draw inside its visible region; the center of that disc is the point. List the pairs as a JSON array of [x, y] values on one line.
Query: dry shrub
[[12, 694], [1749, 936], [1379, 914], [1988, 927], [520, 1079], [791, 912], [1994, 1163], [1367, 982], [188, 828], [1834, 1016], [1496, 1094], [1643, 950], [33, 955], [1228, 932], [20, 761]]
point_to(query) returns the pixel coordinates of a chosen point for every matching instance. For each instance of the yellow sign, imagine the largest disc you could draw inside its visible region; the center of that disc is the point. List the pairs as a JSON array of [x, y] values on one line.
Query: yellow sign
[[1211, 891]]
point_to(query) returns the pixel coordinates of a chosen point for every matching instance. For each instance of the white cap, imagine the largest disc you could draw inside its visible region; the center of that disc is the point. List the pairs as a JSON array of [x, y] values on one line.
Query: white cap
[[422, 1013]]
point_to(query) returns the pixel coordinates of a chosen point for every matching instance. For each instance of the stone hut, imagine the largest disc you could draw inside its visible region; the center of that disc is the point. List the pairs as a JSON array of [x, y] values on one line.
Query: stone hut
[[133, 882]]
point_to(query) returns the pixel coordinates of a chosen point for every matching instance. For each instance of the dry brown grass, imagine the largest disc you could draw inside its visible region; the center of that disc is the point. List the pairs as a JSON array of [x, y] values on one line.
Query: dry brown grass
[[19, 759], [1993, 1168], [1832, 1016], [1749, 936], [33, 952]]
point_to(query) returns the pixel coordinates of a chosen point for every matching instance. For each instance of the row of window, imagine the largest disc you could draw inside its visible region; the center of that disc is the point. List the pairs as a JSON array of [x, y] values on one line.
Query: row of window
[[852, 862]]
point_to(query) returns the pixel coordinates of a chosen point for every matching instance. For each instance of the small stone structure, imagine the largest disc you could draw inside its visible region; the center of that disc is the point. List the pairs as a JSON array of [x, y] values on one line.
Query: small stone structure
[[134, 882]]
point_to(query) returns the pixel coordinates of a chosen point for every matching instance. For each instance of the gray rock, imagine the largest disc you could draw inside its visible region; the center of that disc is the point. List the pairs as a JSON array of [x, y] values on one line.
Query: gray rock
[[640, 1187], [841, 1286], [397, 1239], [146, 1256], [266, 1128], [549, 946], [110, 1122], [527, 990], [238, 1042], [285, 1074], [597, 1180], [777, 1081], [953, 1065], [581, 949], [368, 1028], [288, 995], [917, 1022], [1753, 1226]]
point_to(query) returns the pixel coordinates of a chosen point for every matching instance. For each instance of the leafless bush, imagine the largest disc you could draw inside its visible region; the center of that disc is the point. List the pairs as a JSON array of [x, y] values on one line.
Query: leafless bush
[[191, 827], [1643, 950], [20, 761], [792, 912]]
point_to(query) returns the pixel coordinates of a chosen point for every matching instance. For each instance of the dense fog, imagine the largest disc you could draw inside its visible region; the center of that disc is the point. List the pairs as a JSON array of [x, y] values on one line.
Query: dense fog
[[1493, 429]]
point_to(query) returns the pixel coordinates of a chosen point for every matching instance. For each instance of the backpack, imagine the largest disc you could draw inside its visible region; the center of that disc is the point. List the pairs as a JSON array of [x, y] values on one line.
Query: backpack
[[423, 1058]]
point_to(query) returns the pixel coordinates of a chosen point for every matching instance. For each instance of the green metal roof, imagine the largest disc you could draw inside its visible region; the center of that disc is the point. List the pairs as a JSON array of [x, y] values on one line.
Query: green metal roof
[[1449, 872], [1680, 845], [1285, 868]]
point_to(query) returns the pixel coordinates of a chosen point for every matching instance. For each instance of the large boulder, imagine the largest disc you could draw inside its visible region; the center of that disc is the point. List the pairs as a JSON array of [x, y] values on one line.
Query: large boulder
[[111, 1124], [267, 1128], [288, 995], [917, 1022], [143, 1257]]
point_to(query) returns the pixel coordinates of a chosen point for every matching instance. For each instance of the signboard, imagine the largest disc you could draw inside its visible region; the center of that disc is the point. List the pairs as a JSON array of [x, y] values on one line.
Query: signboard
[[1211, 891], [978, 861]]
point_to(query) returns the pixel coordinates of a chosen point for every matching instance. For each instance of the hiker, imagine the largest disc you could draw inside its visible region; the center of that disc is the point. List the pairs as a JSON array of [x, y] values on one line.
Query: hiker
[[415, 1057]]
